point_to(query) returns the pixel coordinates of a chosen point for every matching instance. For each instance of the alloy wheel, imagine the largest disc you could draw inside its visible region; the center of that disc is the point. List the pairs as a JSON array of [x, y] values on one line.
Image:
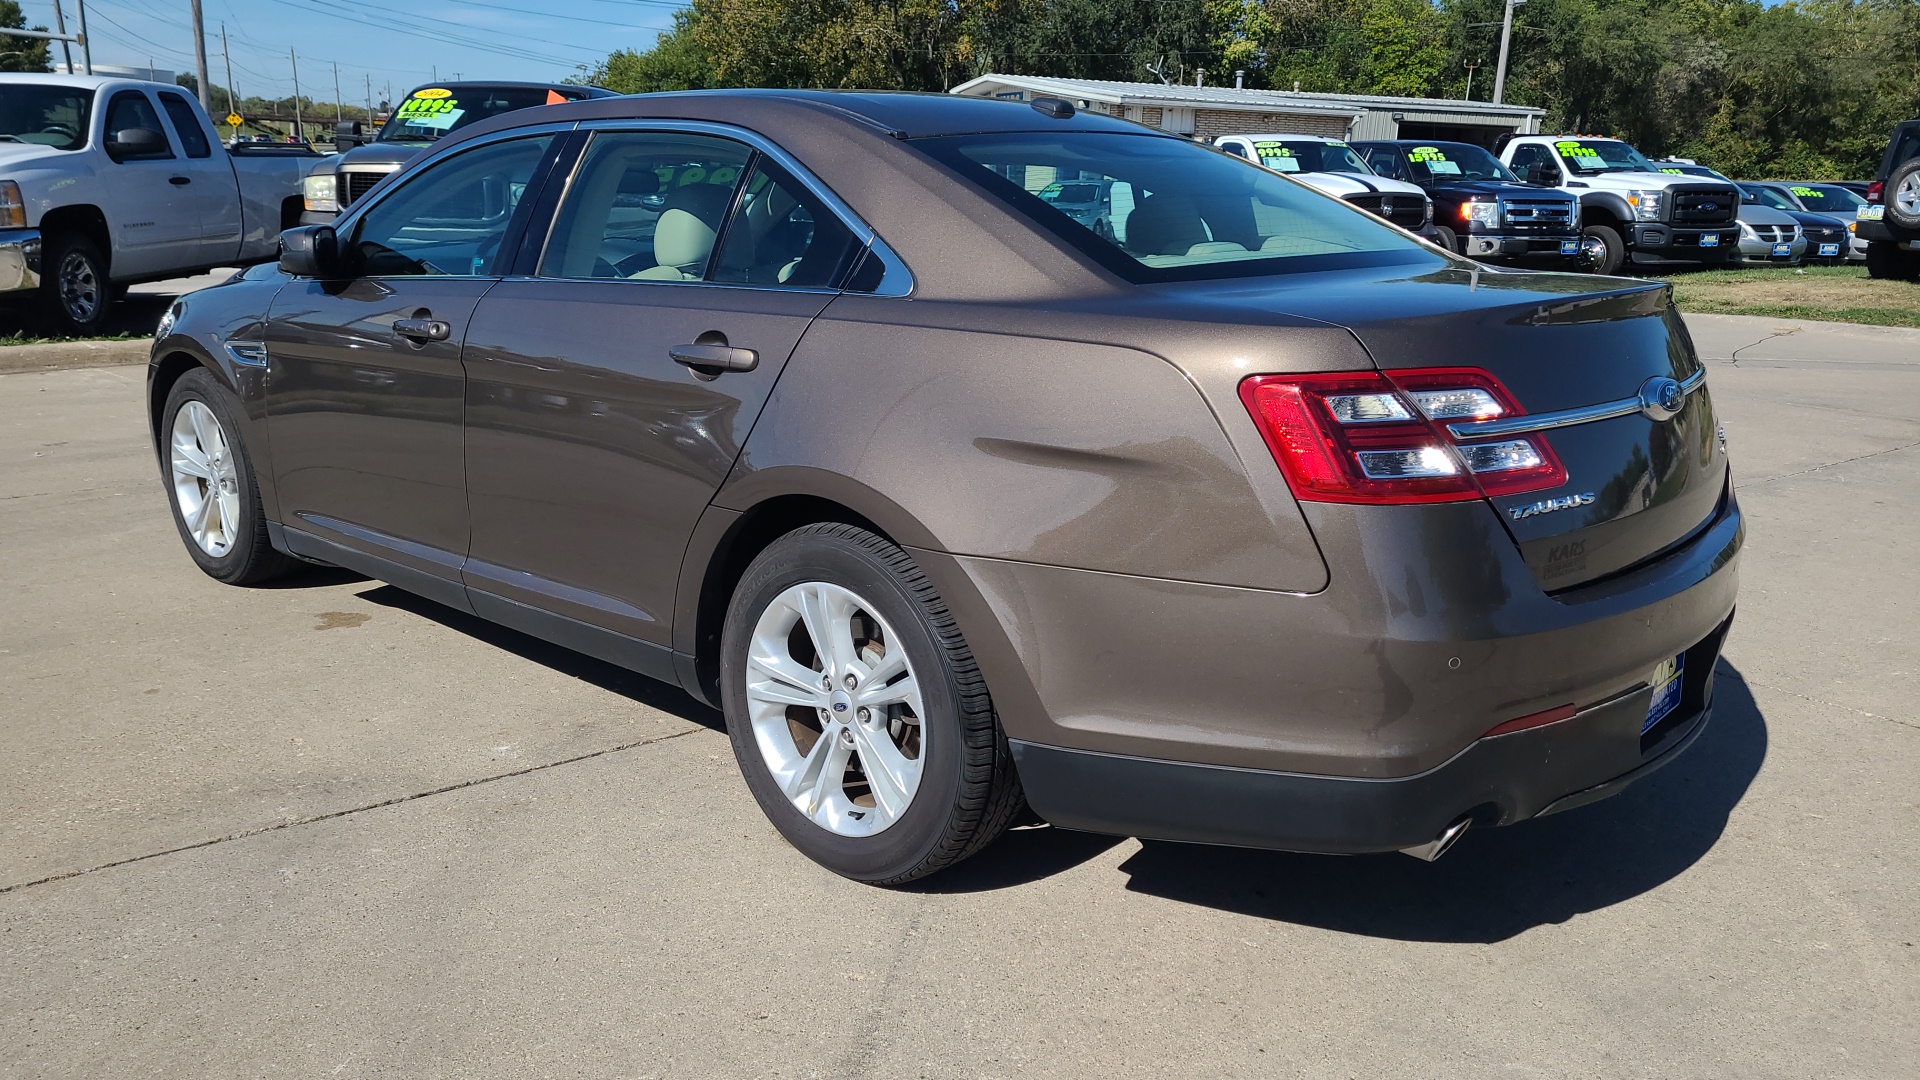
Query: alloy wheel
[[1907, 195], [206, 483], [80, 290], [835, 709]]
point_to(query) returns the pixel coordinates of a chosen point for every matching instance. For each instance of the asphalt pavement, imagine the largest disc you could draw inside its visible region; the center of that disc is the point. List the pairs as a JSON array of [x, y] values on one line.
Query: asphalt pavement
[[330, 830]]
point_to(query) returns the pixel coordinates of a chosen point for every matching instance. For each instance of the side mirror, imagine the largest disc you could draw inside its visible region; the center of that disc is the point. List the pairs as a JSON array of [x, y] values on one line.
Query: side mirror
[[310, 251], [348, 135], [1543, 173], [136, 142]]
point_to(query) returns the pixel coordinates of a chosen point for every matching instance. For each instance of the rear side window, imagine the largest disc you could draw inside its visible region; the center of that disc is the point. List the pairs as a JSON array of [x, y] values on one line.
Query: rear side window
[[782, 235], [1904, 148], [1178, 210], [186, 124], [130, 110]]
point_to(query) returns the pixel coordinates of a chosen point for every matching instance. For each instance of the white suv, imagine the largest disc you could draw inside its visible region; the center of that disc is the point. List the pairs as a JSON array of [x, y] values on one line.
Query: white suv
[[1332, 167]]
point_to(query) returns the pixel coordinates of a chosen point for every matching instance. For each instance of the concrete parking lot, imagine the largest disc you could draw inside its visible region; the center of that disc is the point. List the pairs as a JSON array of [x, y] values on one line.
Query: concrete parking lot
[[331, 830]]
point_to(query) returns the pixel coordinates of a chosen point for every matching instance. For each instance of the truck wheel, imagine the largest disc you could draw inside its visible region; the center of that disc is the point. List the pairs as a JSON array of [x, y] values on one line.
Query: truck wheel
[[1903, 195], [210, 485], [73, 279], [1446, 238], [1887, 262], [1613, 250], [857, 714]]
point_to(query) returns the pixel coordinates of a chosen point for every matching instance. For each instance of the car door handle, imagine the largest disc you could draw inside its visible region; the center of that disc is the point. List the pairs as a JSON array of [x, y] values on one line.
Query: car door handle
[[179, 181], [713, 359], [422, 329]]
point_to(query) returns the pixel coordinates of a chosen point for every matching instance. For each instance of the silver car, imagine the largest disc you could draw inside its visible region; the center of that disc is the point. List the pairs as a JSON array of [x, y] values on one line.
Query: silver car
[[1767, 236]]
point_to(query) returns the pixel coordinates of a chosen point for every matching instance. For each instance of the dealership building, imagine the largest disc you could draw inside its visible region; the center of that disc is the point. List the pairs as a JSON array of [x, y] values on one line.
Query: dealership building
[[1206, 112]]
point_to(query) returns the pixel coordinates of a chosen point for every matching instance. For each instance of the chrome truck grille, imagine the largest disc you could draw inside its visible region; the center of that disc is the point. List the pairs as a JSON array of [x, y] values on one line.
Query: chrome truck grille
[[1539, 215]]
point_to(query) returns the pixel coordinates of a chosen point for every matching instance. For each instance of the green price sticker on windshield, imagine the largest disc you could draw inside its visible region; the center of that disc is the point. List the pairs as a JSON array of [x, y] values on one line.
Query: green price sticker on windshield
[[1426, 153], [1574, 149], [1675, 172], [1804, 192], [1272, 149]]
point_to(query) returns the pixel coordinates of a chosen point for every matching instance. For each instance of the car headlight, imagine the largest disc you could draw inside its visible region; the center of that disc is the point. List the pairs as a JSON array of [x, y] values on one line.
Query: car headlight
[[1484, 214], [1428, 220], [1747, 233], [166, 321], [1646, 204], [13, 209], [318, 192]]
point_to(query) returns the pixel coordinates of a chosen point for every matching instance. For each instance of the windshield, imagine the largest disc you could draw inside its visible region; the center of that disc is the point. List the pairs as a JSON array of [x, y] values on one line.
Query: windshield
[[1071, 194], [1299, 155], [1440, 162], [1765, 196], [53, 116], [1692, 170], [1827, 198], [432, 111], [1178, 210], [1590, 156]]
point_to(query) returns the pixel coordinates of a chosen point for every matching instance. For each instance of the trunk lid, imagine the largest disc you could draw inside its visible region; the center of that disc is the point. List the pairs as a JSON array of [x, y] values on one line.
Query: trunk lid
[[1636, 486]]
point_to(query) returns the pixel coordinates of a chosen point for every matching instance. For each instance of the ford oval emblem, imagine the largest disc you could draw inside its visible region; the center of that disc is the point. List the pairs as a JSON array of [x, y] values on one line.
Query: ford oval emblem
[[839, 706], [1709, 206], [1661, 398]]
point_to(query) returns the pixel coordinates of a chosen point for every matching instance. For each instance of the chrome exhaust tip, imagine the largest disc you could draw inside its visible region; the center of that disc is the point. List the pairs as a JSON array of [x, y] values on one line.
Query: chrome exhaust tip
[[1438, 846]]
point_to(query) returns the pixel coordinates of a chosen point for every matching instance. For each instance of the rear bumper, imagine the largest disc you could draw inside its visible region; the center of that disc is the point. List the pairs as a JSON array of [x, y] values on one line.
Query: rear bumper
[[19, 260], [1592, 755], [1883, 232]]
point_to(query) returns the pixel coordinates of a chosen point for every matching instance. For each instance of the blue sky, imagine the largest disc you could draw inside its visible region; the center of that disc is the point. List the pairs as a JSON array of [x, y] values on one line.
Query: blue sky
[[506, 39]]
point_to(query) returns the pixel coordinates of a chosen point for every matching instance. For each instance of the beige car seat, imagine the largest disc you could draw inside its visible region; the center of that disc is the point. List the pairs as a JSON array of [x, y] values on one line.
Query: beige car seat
[[683, 237]]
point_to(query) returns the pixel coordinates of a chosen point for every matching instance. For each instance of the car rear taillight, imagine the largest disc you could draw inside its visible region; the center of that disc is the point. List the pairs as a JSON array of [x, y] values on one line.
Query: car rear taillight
[[1875, 190], [1367, 437]]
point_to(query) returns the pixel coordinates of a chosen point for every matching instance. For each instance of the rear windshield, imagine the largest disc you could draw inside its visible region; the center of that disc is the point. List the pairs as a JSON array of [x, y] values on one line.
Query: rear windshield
[[53, 116], [1296, 155], [1827, 198], [1179, 211], [1440, 162], [1590, 156], [432, 111], [1904, 148]]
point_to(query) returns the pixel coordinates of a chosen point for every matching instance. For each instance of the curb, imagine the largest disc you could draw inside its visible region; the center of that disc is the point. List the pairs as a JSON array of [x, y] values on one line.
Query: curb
[[60, 355]]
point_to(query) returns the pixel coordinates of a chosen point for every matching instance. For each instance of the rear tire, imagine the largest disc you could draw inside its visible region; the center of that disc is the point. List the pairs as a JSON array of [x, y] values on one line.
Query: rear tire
[[1887, 262], [942, 782], [1902, 194], [78, 295], [1614, 250], [210, 485]]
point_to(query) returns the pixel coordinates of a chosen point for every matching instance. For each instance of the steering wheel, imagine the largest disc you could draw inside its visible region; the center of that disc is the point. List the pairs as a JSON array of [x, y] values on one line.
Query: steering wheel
[[67, 131], [11, 138]]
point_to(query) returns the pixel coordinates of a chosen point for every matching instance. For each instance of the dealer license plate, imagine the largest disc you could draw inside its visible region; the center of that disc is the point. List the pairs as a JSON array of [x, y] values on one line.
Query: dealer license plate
[[1870, 213], [1667, 682], [1569, 247], [1711, 239], [1781, 251], [1829, 249]]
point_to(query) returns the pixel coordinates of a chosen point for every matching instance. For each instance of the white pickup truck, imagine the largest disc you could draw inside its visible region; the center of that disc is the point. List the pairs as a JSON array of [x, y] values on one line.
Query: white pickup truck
[[107, 182]]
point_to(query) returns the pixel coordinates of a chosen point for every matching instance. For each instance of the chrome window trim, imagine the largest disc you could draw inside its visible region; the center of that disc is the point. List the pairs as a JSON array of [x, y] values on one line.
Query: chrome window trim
[[897, 281], [1517, 425]]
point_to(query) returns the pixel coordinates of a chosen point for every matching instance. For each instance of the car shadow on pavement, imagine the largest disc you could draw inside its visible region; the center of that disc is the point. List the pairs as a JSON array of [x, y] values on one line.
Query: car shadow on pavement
[[135, 316], [618, 680], [1500, 882]]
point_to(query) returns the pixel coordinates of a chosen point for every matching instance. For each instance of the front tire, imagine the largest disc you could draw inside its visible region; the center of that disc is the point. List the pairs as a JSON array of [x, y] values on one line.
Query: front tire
[[857, 714], [74, 284], [210, 485], [1446, 238], [1613, 250]]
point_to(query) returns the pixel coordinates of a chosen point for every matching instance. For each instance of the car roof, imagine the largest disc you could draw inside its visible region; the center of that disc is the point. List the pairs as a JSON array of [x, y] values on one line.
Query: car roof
[[509, 84], [902, 115], [1290, 137]]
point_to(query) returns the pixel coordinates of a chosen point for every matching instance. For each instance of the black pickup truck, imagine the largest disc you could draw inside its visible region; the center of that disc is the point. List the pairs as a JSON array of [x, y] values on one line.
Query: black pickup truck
[[1482, 210], [1890, 222]]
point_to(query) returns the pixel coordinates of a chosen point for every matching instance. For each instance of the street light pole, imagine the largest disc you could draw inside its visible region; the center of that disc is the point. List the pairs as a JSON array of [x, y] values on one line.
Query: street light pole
[[299, 128], [1471, 68], [233, 106], [86, 45], [1506, 40], [200, 58], [338, 114]]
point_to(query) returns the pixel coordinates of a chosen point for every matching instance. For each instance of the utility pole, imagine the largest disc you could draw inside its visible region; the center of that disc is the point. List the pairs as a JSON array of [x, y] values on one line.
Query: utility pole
[[86, 46], [1470, 70], [369, 77], [338, 116], [299, 129], [1506, 40], [233, 107], [60, 27], [200, 57]]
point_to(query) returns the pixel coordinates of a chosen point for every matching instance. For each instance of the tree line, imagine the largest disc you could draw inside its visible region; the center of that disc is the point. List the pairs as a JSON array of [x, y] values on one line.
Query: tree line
[[1807, 88]]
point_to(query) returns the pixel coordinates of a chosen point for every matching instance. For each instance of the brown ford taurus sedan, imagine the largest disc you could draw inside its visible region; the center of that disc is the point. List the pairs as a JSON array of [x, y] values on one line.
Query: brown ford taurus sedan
[[1237, 517]]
